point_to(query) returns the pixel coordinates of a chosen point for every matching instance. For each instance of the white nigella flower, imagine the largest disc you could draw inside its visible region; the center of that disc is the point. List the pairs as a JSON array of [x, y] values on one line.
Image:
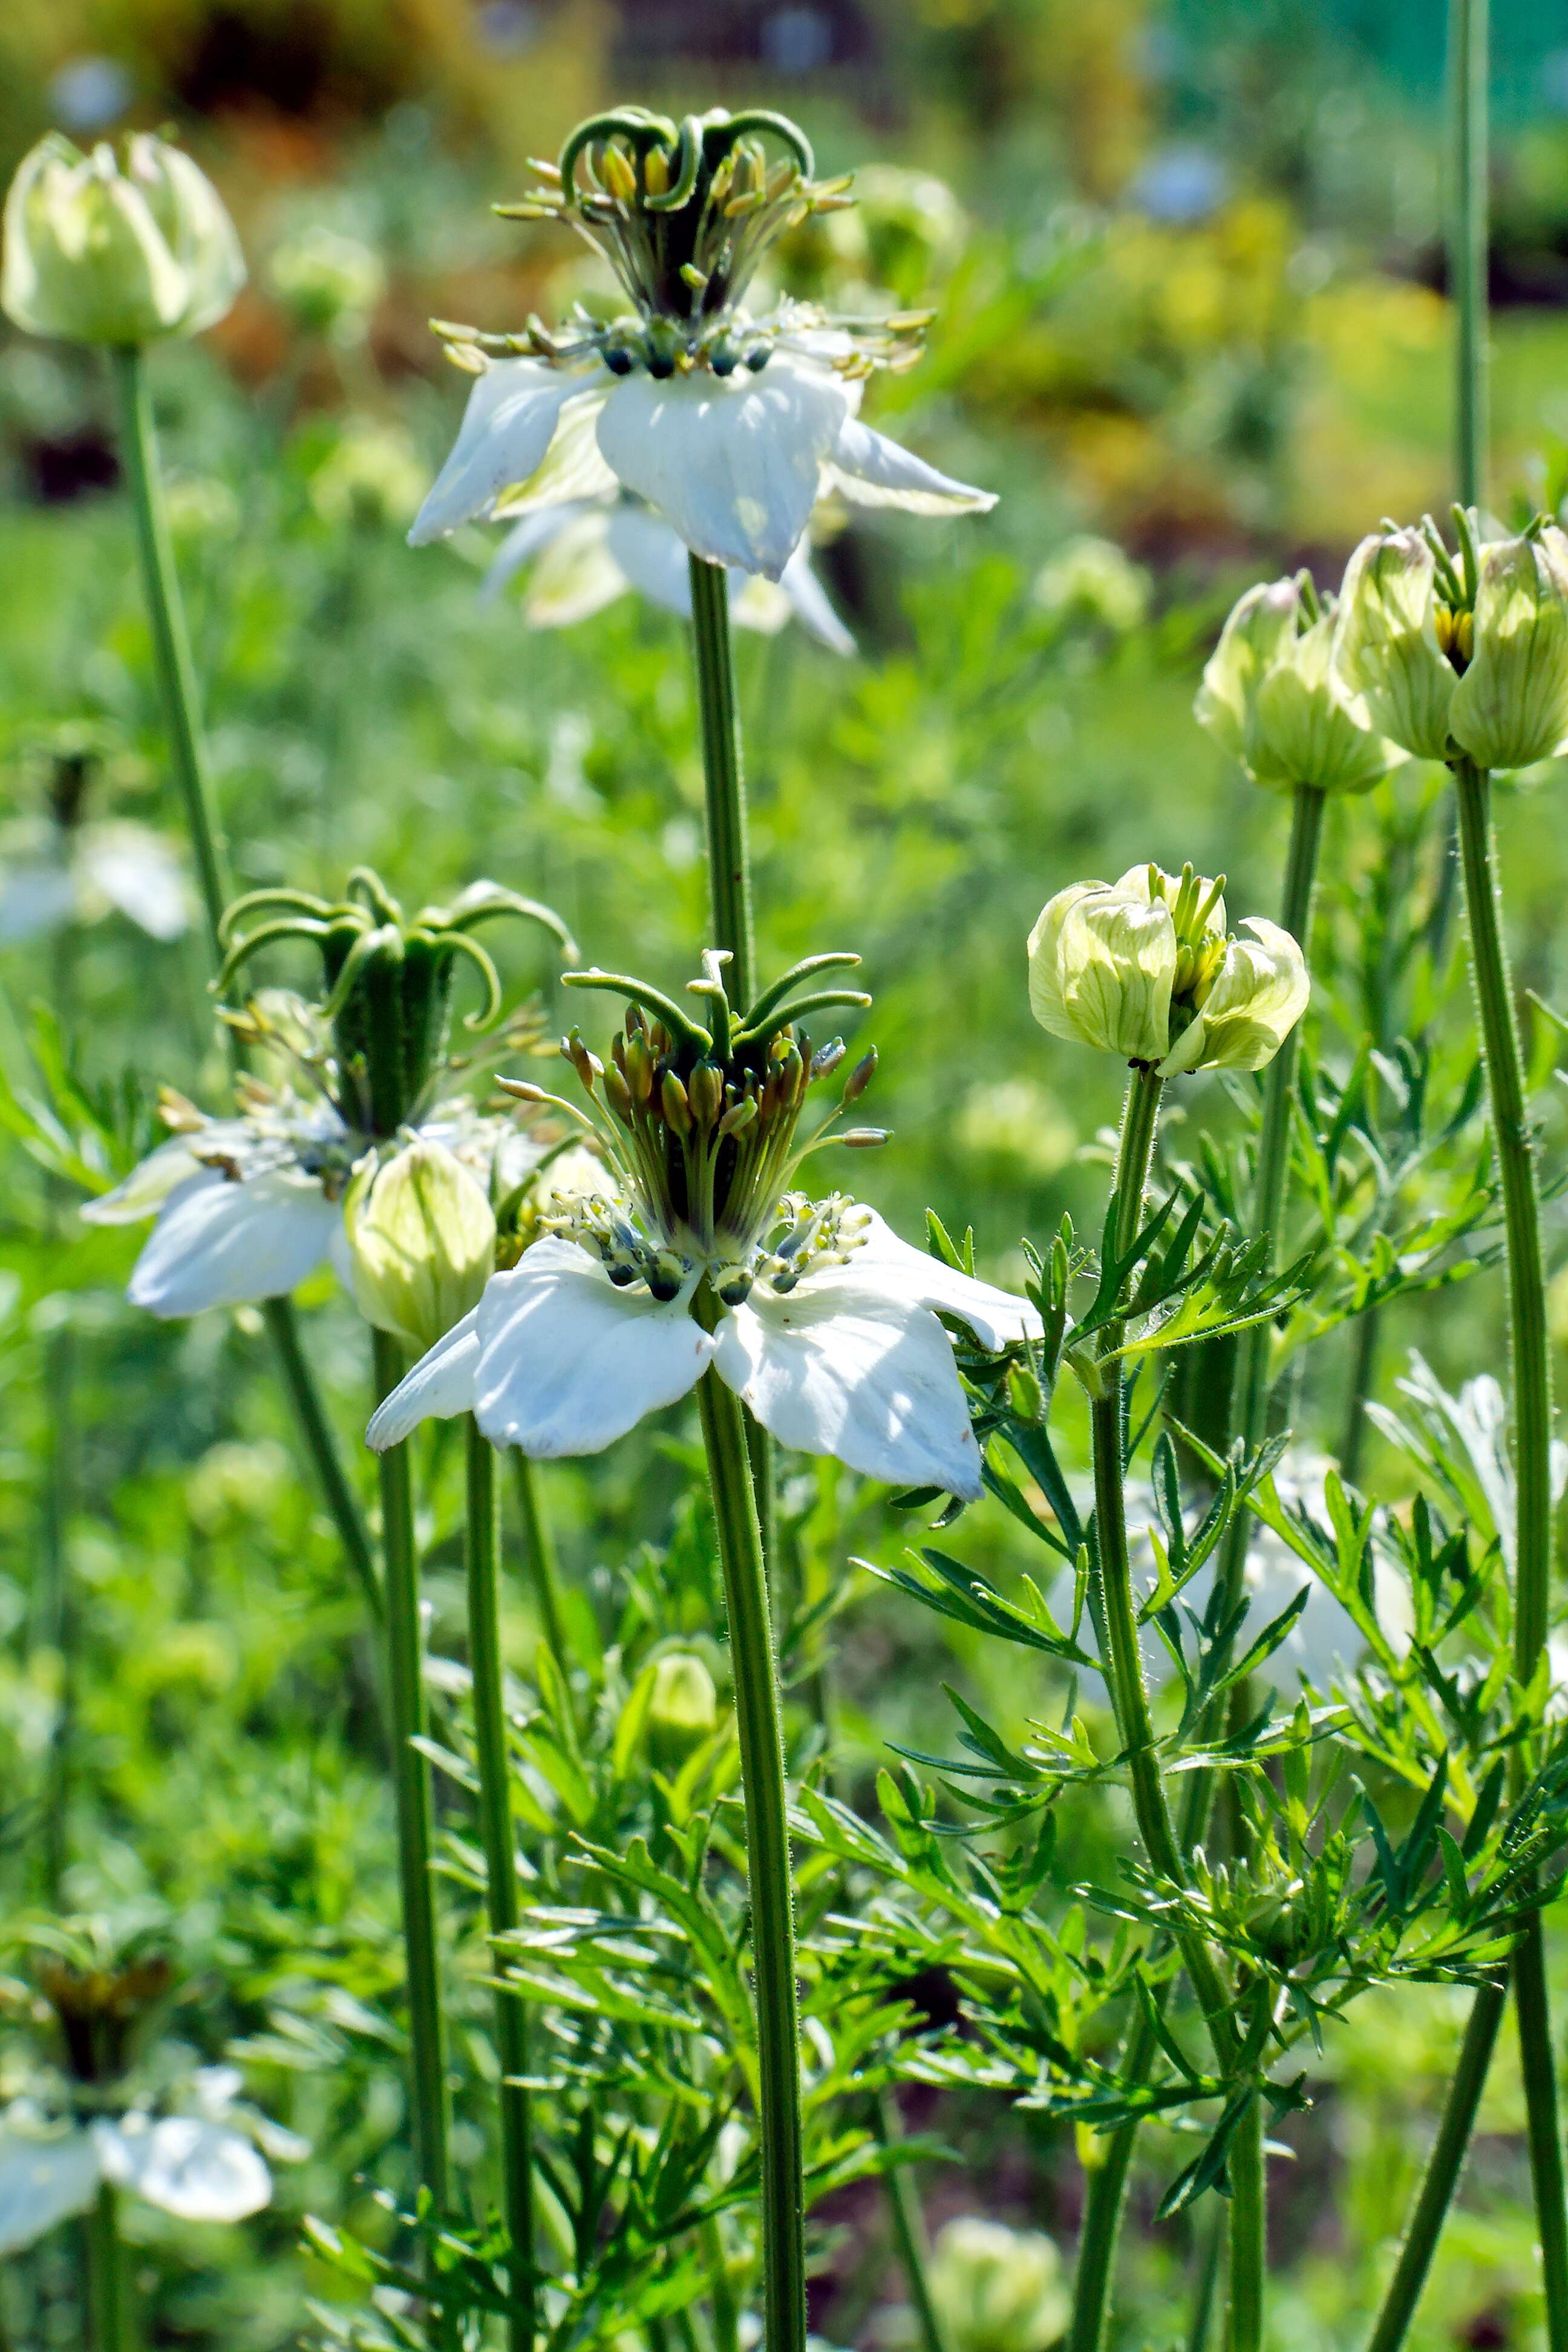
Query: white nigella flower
[[588, 551], [820, 1318], [247, 1206], [729, 426], [197, 2165], [48, 876]]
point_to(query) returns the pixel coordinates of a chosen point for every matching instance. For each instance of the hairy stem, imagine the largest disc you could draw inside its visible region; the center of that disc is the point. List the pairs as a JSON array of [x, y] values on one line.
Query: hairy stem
[[410, 1786], [501, 1876], [758, 1721], [1468, 237], [182, 715], [729, 860]]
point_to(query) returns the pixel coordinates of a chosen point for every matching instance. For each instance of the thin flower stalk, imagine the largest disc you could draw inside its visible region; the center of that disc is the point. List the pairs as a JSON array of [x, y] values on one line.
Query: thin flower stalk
[[411, 1787], [108, 2288], [497, 1838], [177, 685], [758, 1718], [1136, 1732]]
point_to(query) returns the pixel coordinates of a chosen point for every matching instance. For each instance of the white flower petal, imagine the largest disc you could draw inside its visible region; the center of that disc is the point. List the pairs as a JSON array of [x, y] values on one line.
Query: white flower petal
[[185, 2165], [998, 1319], [574, 470], [575, 575], [733, 462], [42, 2179], [506, 432], [760, 604], [440, 1385], [568, 1363], [148, 1186], [812, 608], [35, 898], [218, 1243], [872, 471], [523, 542], [653, 557], [140, 875], [846, 1367]]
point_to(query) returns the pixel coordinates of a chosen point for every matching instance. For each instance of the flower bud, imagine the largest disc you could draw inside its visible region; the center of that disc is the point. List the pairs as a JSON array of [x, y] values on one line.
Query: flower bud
[[104, 251], [1272, 696], [996, 2289], [422, 1242], [1510, 707], [328, 284], [1143, 968], [1387, 647], [683, 1710]]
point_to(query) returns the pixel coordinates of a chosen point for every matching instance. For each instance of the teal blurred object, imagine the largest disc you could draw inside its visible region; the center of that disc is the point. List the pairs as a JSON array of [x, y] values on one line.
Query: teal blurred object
[[1530, 44]]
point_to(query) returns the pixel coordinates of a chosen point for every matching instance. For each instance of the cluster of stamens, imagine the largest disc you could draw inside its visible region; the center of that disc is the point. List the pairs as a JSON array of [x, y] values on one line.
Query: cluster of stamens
[[1200, 949], [700, 1127], [683, 213]]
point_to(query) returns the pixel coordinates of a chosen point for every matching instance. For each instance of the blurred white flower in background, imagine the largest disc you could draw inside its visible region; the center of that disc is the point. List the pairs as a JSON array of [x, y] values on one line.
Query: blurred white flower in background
[[1093, 579], [49, 876], [196, 2165], [996, 2289], [588, 553]]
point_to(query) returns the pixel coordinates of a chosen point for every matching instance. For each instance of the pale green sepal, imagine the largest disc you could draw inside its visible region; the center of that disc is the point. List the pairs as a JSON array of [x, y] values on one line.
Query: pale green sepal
[[1259, 993], [1386, 649], [1510, 707], [1306, 726], [1261, 623]]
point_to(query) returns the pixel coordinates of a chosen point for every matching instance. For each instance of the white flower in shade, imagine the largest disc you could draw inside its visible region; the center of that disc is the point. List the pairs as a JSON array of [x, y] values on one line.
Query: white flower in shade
[[195, 2166], [587, 552], [49, 876], [729, 426], [819, 1317], [1144, 967]]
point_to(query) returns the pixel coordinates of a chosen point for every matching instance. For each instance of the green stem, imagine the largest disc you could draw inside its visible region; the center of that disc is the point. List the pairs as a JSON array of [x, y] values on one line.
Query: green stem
[[1249, 2233], [1208, 2285], [1443, 2168], [1125, 1669], [171, 636], [758, 1721], [410, 1786], [1364, 1363], [108, 2297], [321, 1446], [1103, 2211], [501, 1876], [909, 2227], [182, 715], [539, 1551], [729, 863], [1530, 1347], [1468, 243]]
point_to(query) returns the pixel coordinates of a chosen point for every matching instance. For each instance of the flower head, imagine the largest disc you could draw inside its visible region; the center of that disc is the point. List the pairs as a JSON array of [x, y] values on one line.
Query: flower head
[[106, 2106], [996, 2289], [589, 551], [705, 1250], [1462, 652], [246, 1206], [1272, 695], [107, 249], [730, 426], [1144, 967]]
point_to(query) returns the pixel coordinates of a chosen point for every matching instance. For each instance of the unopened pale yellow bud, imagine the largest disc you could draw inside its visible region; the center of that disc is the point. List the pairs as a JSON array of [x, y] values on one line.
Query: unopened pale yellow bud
[[997, 2290], [1259, 626], [122, 250], [683, 1710], [1386, 643], [422, 1242], [1510, 707], [1249, 1008], [1101, 968]]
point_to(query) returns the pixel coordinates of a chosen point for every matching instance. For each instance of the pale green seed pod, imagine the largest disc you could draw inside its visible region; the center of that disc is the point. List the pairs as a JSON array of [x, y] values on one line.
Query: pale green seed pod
[[422, 1243], [1510, 707], [1387, 648], [104, 250], [1144, 969], [996, 2289], [683, 1709], [1273, 696]]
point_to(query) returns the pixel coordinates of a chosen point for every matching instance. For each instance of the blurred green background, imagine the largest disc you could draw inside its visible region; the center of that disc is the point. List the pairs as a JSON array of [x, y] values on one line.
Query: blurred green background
[[1188, 260]]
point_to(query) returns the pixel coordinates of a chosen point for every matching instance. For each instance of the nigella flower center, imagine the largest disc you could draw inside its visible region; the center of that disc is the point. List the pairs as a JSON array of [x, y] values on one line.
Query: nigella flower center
[[701, 1127]]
